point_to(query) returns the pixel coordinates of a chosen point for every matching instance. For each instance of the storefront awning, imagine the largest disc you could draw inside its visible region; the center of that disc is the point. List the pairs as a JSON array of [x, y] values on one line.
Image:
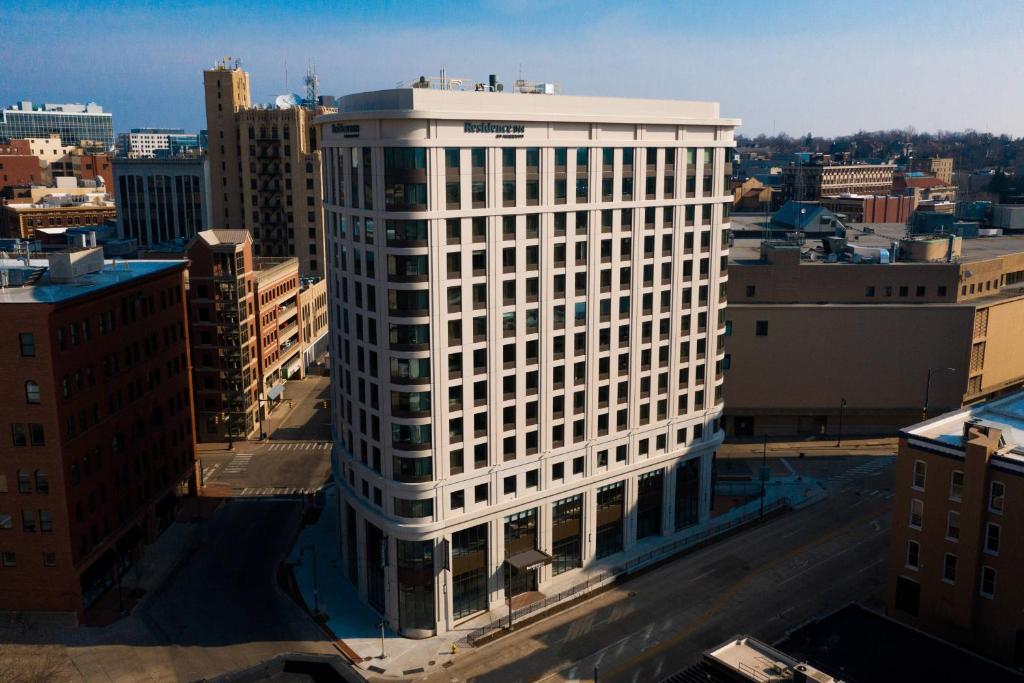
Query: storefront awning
[[275, 391], [529, 559]]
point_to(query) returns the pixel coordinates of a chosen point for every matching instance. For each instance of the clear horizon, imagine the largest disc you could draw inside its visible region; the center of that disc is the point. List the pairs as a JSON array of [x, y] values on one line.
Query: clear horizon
[[825, 68]]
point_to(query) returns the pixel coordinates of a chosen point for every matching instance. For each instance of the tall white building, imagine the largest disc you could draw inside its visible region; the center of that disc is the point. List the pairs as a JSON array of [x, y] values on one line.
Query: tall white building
[[527, 296], [145, 143]]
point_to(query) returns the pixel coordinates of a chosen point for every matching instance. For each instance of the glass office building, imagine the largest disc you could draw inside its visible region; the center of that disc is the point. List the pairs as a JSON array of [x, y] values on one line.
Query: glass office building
[[73, 122]]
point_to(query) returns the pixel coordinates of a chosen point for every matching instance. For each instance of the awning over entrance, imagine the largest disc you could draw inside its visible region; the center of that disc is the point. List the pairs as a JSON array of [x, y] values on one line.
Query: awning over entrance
[[529, 559], [275, 391]]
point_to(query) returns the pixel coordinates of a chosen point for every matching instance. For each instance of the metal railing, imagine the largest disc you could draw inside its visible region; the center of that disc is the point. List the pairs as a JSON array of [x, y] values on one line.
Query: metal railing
[[607, 576]]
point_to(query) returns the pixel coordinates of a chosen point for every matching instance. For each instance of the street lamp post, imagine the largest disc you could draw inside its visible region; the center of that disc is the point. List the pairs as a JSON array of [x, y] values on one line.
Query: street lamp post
[[842, 409], [230, 423], [928, 387]]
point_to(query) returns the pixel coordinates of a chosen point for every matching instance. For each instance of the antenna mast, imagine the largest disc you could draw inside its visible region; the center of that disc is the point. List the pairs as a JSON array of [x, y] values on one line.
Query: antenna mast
[[312, 82]]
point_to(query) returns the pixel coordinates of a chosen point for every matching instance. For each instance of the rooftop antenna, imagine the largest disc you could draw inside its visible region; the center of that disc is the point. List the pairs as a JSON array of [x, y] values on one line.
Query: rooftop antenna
[[312, 82]]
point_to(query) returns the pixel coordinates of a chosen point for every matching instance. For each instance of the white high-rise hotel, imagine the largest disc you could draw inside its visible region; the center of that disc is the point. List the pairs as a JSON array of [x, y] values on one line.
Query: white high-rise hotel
[[527, 295]]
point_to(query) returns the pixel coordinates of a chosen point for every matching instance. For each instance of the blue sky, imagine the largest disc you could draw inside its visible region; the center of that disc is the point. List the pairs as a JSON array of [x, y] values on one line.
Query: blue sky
[[829, 67]]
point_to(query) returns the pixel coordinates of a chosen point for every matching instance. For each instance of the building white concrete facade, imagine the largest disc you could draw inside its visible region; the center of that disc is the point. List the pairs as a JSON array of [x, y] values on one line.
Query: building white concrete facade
[[143, 143], [527, 301]]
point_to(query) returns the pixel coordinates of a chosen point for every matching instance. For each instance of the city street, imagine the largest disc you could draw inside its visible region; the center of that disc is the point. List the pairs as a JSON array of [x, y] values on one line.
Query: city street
[[220, 611], [762, 582], [293, 460]]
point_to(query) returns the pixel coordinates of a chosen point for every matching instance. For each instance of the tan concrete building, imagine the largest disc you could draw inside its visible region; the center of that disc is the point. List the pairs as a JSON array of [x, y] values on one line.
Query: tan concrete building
[[941, 168], [821, 177], [265, 170], [314, 312], [925, 189], [529, 300], [278, 321], [814, 343], [956, 553], [752, 195]]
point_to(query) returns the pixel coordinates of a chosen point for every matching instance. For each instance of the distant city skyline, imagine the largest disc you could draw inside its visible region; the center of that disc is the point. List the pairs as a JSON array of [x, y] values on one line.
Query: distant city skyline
[[825, 68]]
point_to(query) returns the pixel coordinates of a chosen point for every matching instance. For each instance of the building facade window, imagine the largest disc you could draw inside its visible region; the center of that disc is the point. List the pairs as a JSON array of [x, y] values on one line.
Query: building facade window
[[913, 555], [920, 470], [32, 392], [415, 567], [27, 342], [953, 525], [949, 568], [610, 513], [992, 533], [469, 571], [916, 513], [566, 534], [650, 487], [988, 582], [996, 495], [956, 485]]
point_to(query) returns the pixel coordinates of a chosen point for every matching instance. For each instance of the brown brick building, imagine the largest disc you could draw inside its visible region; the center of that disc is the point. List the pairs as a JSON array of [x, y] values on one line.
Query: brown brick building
[[254, 324], [20, 219], [861, 208], [19, 169], [97, 422], [956, 554], [222, 320]]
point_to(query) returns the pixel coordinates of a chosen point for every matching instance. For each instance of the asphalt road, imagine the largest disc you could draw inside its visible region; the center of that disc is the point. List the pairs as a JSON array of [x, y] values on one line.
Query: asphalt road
[[222, 610], [762, 581], [294, 460], [219, 612]]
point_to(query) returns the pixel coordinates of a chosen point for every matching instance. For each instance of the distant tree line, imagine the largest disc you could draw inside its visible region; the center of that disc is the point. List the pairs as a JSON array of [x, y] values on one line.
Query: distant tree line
[[969, 149]]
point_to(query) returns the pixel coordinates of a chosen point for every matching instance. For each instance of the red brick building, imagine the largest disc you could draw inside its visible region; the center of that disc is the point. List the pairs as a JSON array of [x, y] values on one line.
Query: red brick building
[[20, 169], [87, 166], [15, 147], [246, 315], [222, 315], [98, 437]]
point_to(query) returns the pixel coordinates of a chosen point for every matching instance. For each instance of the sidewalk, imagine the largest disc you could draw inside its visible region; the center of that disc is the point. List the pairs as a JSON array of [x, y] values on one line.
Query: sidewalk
[[355, 624], [825, 447]]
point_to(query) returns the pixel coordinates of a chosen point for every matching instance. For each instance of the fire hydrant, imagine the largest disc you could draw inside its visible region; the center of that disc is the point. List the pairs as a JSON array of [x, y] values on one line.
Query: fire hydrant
[[454, 649]]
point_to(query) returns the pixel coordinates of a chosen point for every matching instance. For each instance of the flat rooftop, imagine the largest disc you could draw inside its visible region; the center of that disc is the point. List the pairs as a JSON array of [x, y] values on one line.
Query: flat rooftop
[[43, 290], [748, 249], [462, 104], [861, 646], [755, 661], [1005, 414]]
